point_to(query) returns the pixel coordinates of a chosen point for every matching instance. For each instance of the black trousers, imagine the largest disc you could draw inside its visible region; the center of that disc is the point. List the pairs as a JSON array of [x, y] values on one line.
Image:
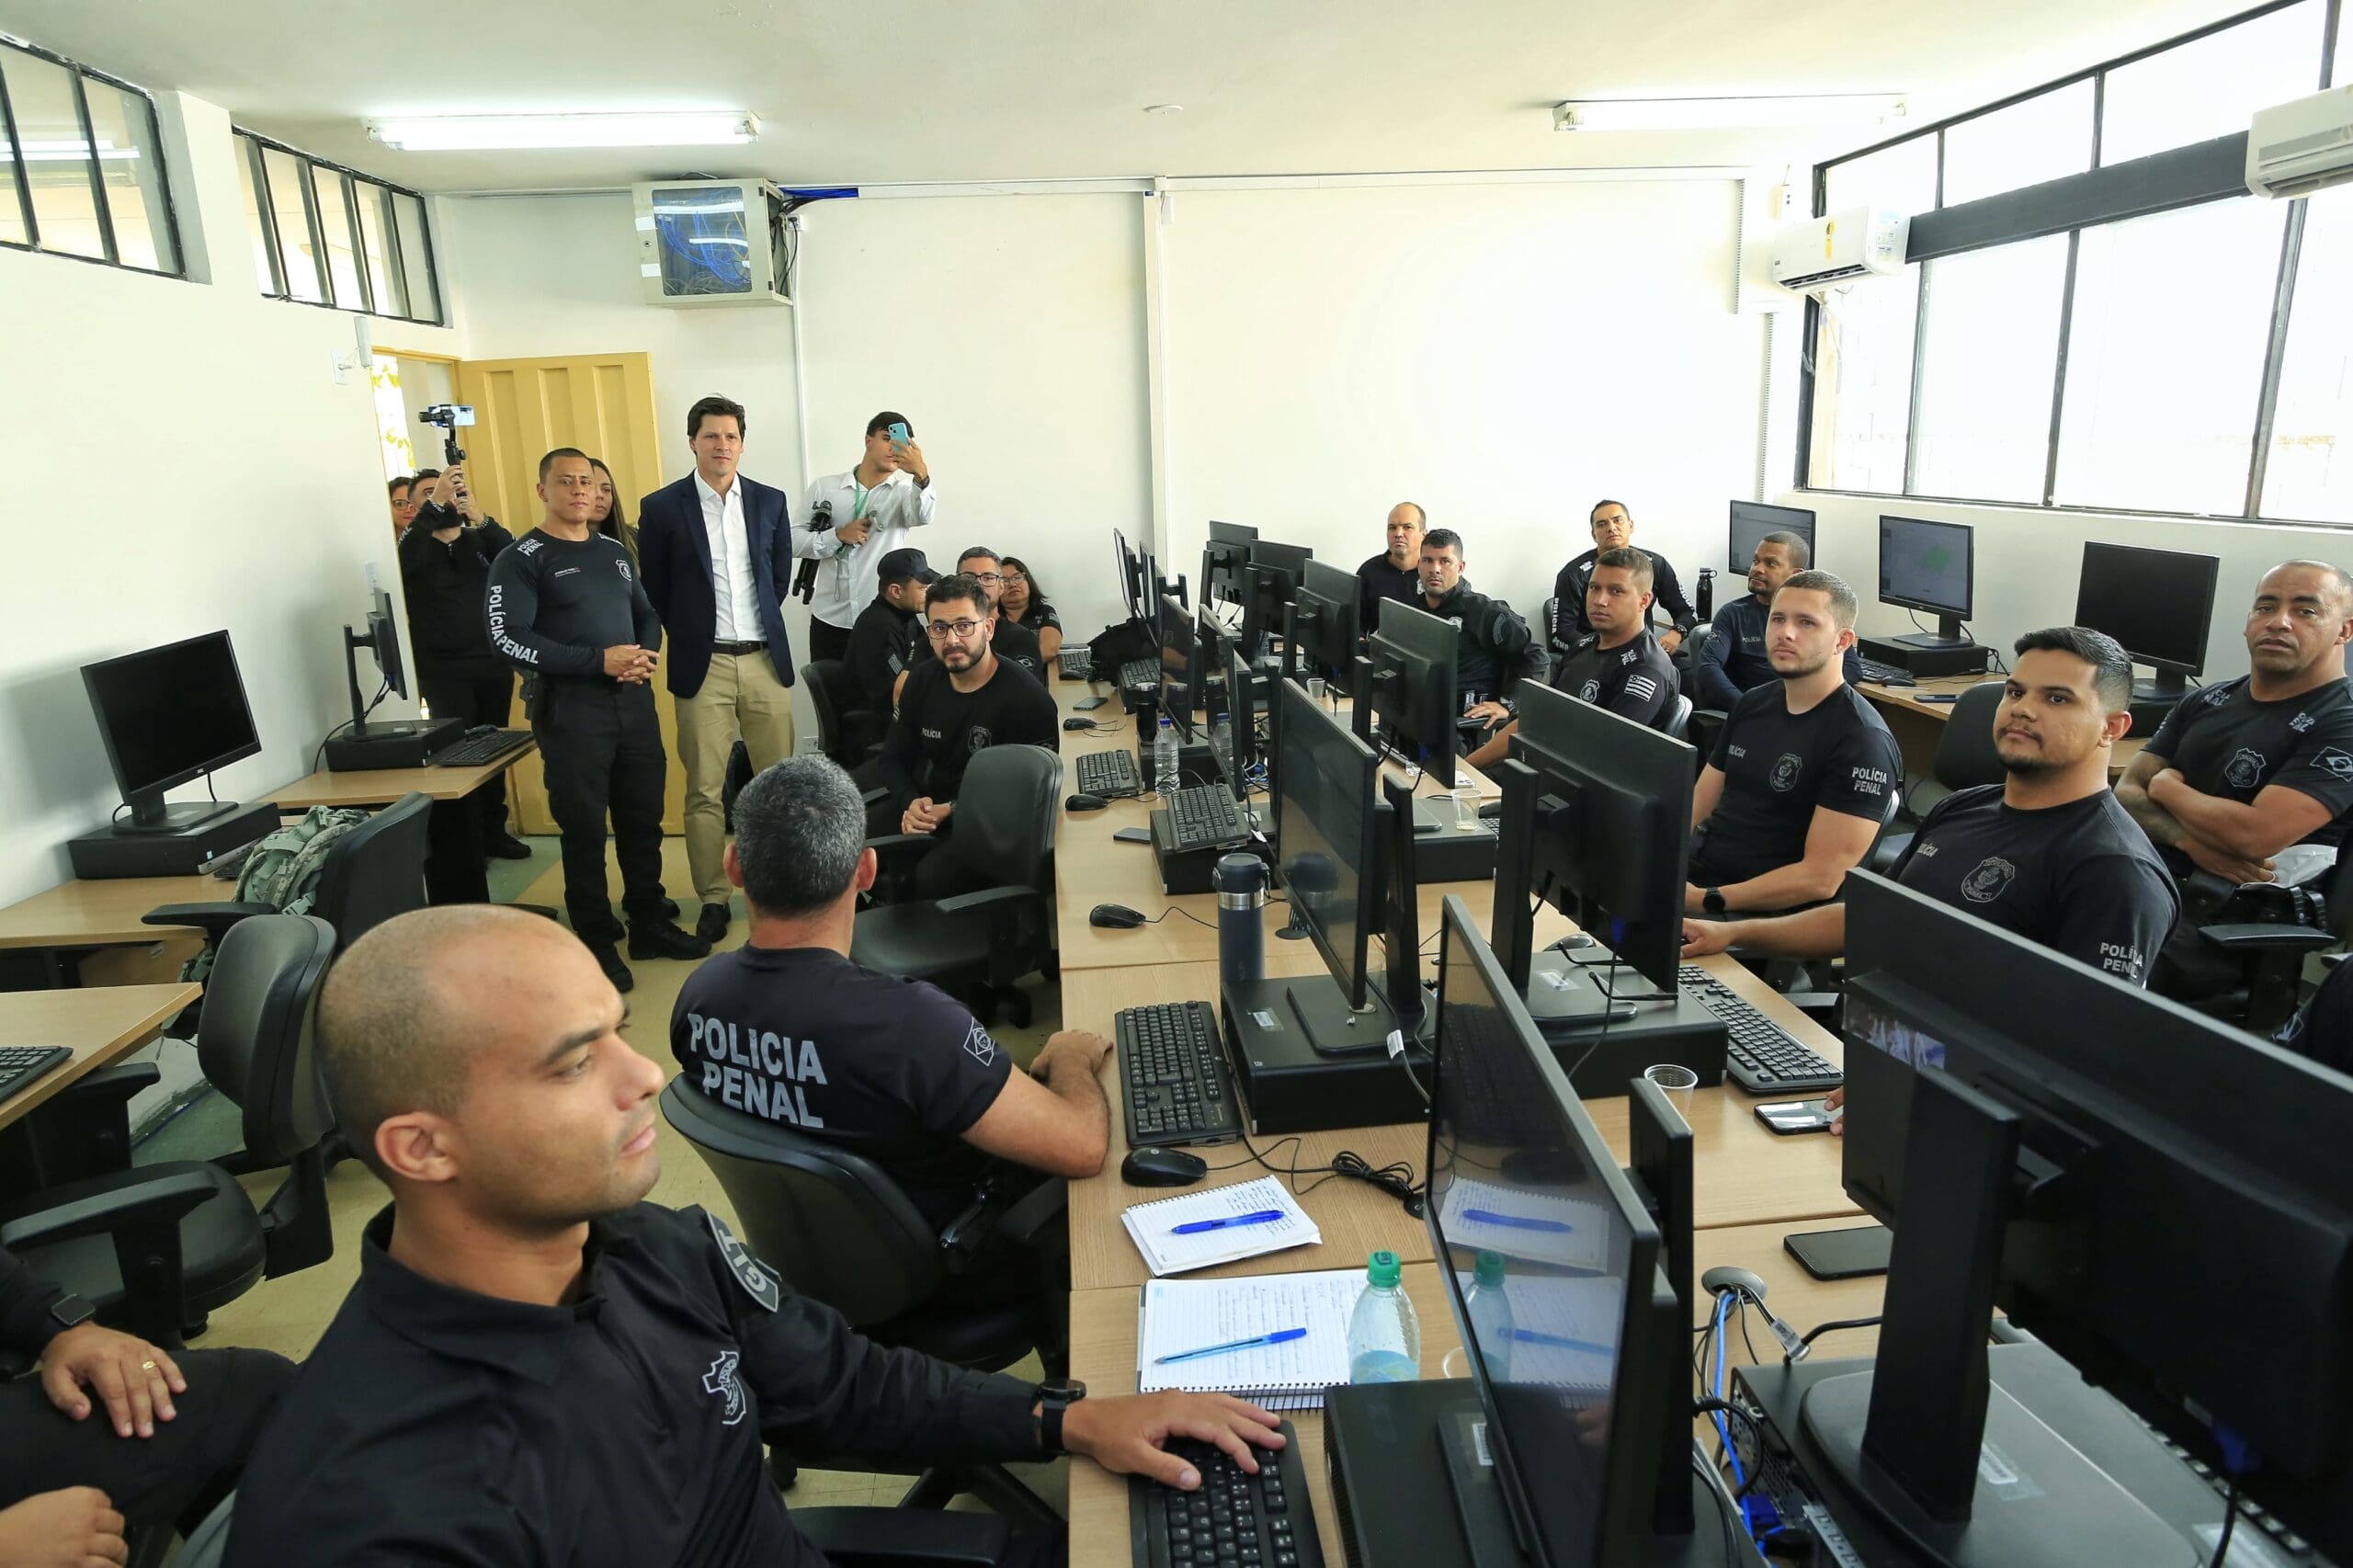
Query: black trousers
[[827, 642], [601, 750], [458, 832], [173, 1478]]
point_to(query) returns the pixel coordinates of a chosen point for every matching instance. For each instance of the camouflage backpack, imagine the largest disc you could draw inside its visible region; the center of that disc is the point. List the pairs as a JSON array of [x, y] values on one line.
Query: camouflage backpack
[[283, 869]]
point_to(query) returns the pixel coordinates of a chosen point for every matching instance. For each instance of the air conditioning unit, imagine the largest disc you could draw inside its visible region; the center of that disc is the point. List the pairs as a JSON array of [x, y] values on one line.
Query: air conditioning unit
[[2301, 147], [1815, 253], [713, 242]]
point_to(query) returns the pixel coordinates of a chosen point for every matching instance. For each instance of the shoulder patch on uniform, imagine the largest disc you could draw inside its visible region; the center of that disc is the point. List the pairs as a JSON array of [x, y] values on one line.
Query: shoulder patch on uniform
[[759, 1281], [978, 1045]]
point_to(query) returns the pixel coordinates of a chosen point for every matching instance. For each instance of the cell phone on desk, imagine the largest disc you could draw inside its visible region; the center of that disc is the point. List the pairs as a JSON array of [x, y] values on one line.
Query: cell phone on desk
[[1842, 1255], [1089, 704], [1788, 1117], [1132, 835]]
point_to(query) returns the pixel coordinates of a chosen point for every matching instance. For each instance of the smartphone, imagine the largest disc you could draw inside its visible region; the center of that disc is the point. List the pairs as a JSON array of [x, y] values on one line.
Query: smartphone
[[1089, 704], [1132, 835], [1937, 697], [1787, 1117], [1842, 1255], [898, 435]]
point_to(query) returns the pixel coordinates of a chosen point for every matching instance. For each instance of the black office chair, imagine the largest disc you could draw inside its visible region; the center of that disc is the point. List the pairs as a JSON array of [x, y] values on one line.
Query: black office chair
[[154, 1248], [2270, 953], [848, 732], [373, 872], [978, 945], [839, 1230], [1675, 724], [1965, 758]]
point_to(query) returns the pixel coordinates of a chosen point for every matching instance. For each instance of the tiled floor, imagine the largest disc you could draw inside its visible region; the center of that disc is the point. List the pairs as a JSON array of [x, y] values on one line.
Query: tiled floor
[[288, 1315]]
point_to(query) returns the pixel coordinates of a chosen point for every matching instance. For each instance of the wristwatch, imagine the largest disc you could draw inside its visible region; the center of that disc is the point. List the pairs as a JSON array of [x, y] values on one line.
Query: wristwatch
[[1712, 900], [70, 1312], [1056, 1395]]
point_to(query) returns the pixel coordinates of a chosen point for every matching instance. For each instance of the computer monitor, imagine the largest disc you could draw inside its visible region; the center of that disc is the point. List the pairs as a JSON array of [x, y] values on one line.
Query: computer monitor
[[1241, 686], [1752, 520], [1182, 675], [1272, 583], [2158, 603], [1927, 566], [1412, 688], [1522, 1183], [1597, 822], [1325, 631], [1324, 840], [1222, 559], [1131, 571], [382, 641], [2160, 1199], [168, 715]]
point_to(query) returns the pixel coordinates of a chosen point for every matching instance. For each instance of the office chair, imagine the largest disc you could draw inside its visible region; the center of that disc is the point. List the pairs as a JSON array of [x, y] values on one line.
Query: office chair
[[977, 945], [154, 1248], [839, 1230], [2270, 953], [1676, 725], [375, 871], [1965, 758], [846, 731]]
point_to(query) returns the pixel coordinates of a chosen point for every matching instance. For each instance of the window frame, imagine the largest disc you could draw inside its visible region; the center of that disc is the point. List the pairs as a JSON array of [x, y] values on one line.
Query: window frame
[[21, 180], [2333, 20], [250, 146]]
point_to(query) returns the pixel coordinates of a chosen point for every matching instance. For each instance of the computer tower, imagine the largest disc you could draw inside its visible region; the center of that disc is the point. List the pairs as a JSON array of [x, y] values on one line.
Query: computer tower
[[104, 853], [396, 742], [1926, 663]]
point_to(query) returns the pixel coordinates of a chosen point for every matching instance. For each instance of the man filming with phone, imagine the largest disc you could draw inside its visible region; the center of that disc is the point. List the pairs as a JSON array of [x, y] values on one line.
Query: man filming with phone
[[851, 521]]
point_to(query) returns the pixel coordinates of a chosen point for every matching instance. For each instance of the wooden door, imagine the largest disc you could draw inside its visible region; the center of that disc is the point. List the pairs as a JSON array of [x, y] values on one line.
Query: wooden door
[[602, 403]]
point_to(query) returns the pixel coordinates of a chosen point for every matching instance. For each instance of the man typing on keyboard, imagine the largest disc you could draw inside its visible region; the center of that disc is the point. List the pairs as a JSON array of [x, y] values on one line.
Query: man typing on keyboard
[[2048, 853]]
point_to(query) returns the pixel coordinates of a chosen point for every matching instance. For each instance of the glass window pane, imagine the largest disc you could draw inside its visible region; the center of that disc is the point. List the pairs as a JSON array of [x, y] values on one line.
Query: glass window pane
[[335, 225], [1991, 342], [2310, 470], [424, 299], [131, 165], [284, 172], [2212, 86], [375, 231], [1902, 177], [2044, 137], [263, 272], [1862, 386], [57, 157], [2161, 398]]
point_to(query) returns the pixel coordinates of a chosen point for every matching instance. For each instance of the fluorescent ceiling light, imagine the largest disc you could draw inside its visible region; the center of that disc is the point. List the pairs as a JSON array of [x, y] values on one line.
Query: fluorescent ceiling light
[[1726, 114], [473, 132]]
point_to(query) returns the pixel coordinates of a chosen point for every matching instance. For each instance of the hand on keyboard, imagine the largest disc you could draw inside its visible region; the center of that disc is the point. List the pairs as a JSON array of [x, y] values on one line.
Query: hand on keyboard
[[1124, 1434]]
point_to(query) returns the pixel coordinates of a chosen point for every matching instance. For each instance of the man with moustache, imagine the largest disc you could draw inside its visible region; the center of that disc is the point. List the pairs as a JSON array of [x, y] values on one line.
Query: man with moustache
[[1732, 659]]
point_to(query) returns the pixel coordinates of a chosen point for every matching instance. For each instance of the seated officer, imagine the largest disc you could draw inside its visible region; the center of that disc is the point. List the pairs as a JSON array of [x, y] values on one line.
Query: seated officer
[[884, 638], [1803, 773], [1623, 669], [1496, 652], [1613, 528], [1395, 574], [1732, 658], [890, 1069], [1011, 642], [2048, 853], [537, 1365], [2323, 1029]]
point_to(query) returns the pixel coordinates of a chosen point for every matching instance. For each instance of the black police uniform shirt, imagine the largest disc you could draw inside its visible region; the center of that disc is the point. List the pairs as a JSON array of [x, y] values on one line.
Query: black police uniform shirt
[[1732, 658], [891, 1069], [1570, 625], [2323, 1029], [883, 643], [622, 1428], [1780, 766], [443, 582], [1015, 644], [2081, 880], [2228, 744], [939, 730], [1634, 680], [555, 605], [1378, 580], [1495, 651]]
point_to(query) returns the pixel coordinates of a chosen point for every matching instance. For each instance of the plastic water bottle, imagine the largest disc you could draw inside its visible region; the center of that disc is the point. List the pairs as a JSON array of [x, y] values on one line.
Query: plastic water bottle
[[1164, 759], [1384, 1336], [1490, 1313], [1222, 743]]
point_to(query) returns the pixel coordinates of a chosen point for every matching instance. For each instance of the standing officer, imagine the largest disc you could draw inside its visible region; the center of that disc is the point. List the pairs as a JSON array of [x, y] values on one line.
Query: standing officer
[[854, 519], [565, 606], [718, 557]]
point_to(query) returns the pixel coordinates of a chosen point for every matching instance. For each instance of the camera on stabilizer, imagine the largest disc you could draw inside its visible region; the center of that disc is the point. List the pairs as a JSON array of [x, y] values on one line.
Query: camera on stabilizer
[[449, 416]]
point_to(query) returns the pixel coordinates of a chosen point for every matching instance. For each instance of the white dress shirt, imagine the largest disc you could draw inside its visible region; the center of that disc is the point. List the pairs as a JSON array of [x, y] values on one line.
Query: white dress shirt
[[731, 581], [846, 582]]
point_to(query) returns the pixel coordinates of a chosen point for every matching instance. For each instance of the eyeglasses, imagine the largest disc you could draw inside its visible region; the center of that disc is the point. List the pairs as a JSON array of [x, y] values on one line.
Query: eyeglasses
[[1011, 577], [957, 629], [988, 577]]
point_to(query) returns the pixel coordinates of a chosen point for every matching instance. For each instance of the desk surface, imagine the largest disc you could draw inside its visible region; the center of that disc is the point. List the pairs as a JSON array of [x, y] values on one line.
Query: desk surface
[[382, 786], [104, 913], [102, 1024], [1742, 1173]]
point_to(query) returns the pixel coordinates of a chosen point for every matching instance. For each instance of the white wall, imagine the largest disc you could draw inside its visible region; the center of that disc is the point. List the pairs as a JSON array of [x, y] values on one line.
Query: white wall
[[1504, 355], [114, 387]]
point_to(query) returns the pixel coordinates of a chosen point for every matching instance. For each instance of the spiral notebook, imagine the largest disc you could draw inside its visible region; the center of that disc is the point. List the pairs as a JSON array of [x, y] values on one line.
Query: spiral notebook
[[1178, 1315], [1153, 1226]]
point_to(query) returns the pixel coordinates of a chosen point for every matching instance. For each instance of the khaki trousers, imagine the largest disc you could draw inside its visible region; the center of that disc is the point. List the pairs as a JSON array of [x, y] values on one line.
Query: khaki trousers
[[740, 696]]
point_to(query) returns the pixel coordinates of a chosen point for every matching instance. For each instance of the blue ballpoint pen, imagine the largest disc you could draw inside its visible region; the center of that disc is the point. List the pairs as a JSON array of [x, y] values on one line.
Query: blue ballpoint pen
[[1538, 1337], [1263, 1217], [1517, 1221], [1277, 1337]]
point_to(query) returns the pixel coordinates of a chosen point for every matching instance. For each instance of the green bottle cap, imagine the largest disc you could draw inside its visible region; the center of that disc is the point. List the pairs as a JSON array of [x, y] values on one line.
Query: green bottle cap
[[1383, 1269], [1489, 1271]]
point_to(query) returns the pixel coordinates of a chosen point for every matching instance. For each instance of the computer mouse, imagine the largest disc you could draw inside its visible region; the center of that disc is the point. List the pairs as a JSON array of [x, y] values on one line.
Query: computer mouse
[[1161, 1167], [1081, 724], [1899, 680], [1116, 916], [1087, 802], [1489, 811]]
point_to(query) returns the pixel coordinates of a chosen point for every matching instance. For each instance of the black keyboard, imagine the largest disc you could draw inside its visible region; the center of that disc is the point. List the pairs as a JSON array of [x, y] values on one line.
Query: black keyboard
[[1177, 1088], [479, 746], [1759, 1055], [1256, 1521], [1138, 674], [1113, 775], [1875, 671], [1205, 817], [1076, 662], [20, 1064]]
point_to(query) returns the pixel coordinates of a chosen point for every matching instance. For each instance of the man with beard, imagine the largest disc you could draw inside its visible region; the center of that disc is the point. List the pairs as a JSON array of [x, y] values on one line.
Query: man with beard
[[1731, 660], [1495, 651], [1623, 669], [2048, 853]]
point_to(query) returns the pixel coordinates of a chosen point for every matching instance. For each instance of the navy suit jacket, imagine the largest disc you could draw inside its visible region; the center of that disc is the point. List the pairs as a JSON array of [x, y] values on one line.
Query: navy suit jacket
[[674, 553]]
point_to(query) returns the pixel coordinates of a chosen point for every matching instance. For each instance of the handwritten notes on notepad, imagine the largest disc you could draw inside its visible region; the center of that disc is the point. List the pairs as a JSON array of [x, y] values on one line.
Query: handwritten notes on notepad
[[1178, 1316], [1153, 1226]]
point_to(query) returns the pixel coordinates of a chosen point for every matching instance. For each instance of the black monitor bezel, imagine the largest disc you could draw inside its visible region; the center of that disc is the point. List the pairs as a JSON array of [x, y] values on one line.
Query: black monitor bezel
[[2084, 577], [1731, 530], [1340, 601], [1174, 617], [1888, 596], [168, 653], [1401, 626], [1296, 726]]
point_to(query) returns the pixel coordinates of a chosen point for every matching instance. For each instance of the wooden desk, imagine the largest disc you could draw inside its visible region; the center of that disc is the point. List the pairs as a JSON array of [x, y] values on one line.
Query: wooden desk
[[1917, 726], [1103, 1355], [102, 1024], [1742, 1173], [382, 786], [61, 926]]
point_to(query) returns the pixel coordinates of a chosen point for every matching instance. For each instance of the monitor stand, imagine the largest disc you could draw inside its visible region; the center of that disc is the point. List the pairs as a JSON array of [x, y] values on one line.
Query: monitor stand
[[2153, 701], [151, 815]]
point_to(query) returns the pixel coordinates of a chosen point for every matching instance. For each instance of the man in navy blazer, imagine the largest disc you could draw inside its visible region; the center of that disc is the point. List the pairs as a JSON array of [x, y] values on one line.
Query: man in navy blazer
[[717, 558]]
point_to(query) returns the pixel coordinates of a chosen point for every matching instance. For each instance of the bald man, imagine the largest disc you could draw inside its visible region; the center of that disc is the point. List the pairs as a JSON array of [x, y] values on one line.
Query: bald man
[[538, 1366], [1395, 575]]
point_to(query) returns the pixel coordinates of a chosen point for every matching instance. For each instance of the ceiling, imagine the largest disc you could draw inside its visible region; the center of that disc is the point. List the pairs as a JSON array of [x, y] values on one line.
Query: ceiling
[[886, 91]]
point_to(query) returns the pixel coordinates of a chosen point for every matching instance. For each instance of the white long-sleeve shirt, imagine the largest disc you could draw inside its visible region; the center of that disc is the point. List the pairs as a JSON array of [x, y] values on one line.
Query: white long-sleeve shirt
[[737, 606], [846, 581]]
